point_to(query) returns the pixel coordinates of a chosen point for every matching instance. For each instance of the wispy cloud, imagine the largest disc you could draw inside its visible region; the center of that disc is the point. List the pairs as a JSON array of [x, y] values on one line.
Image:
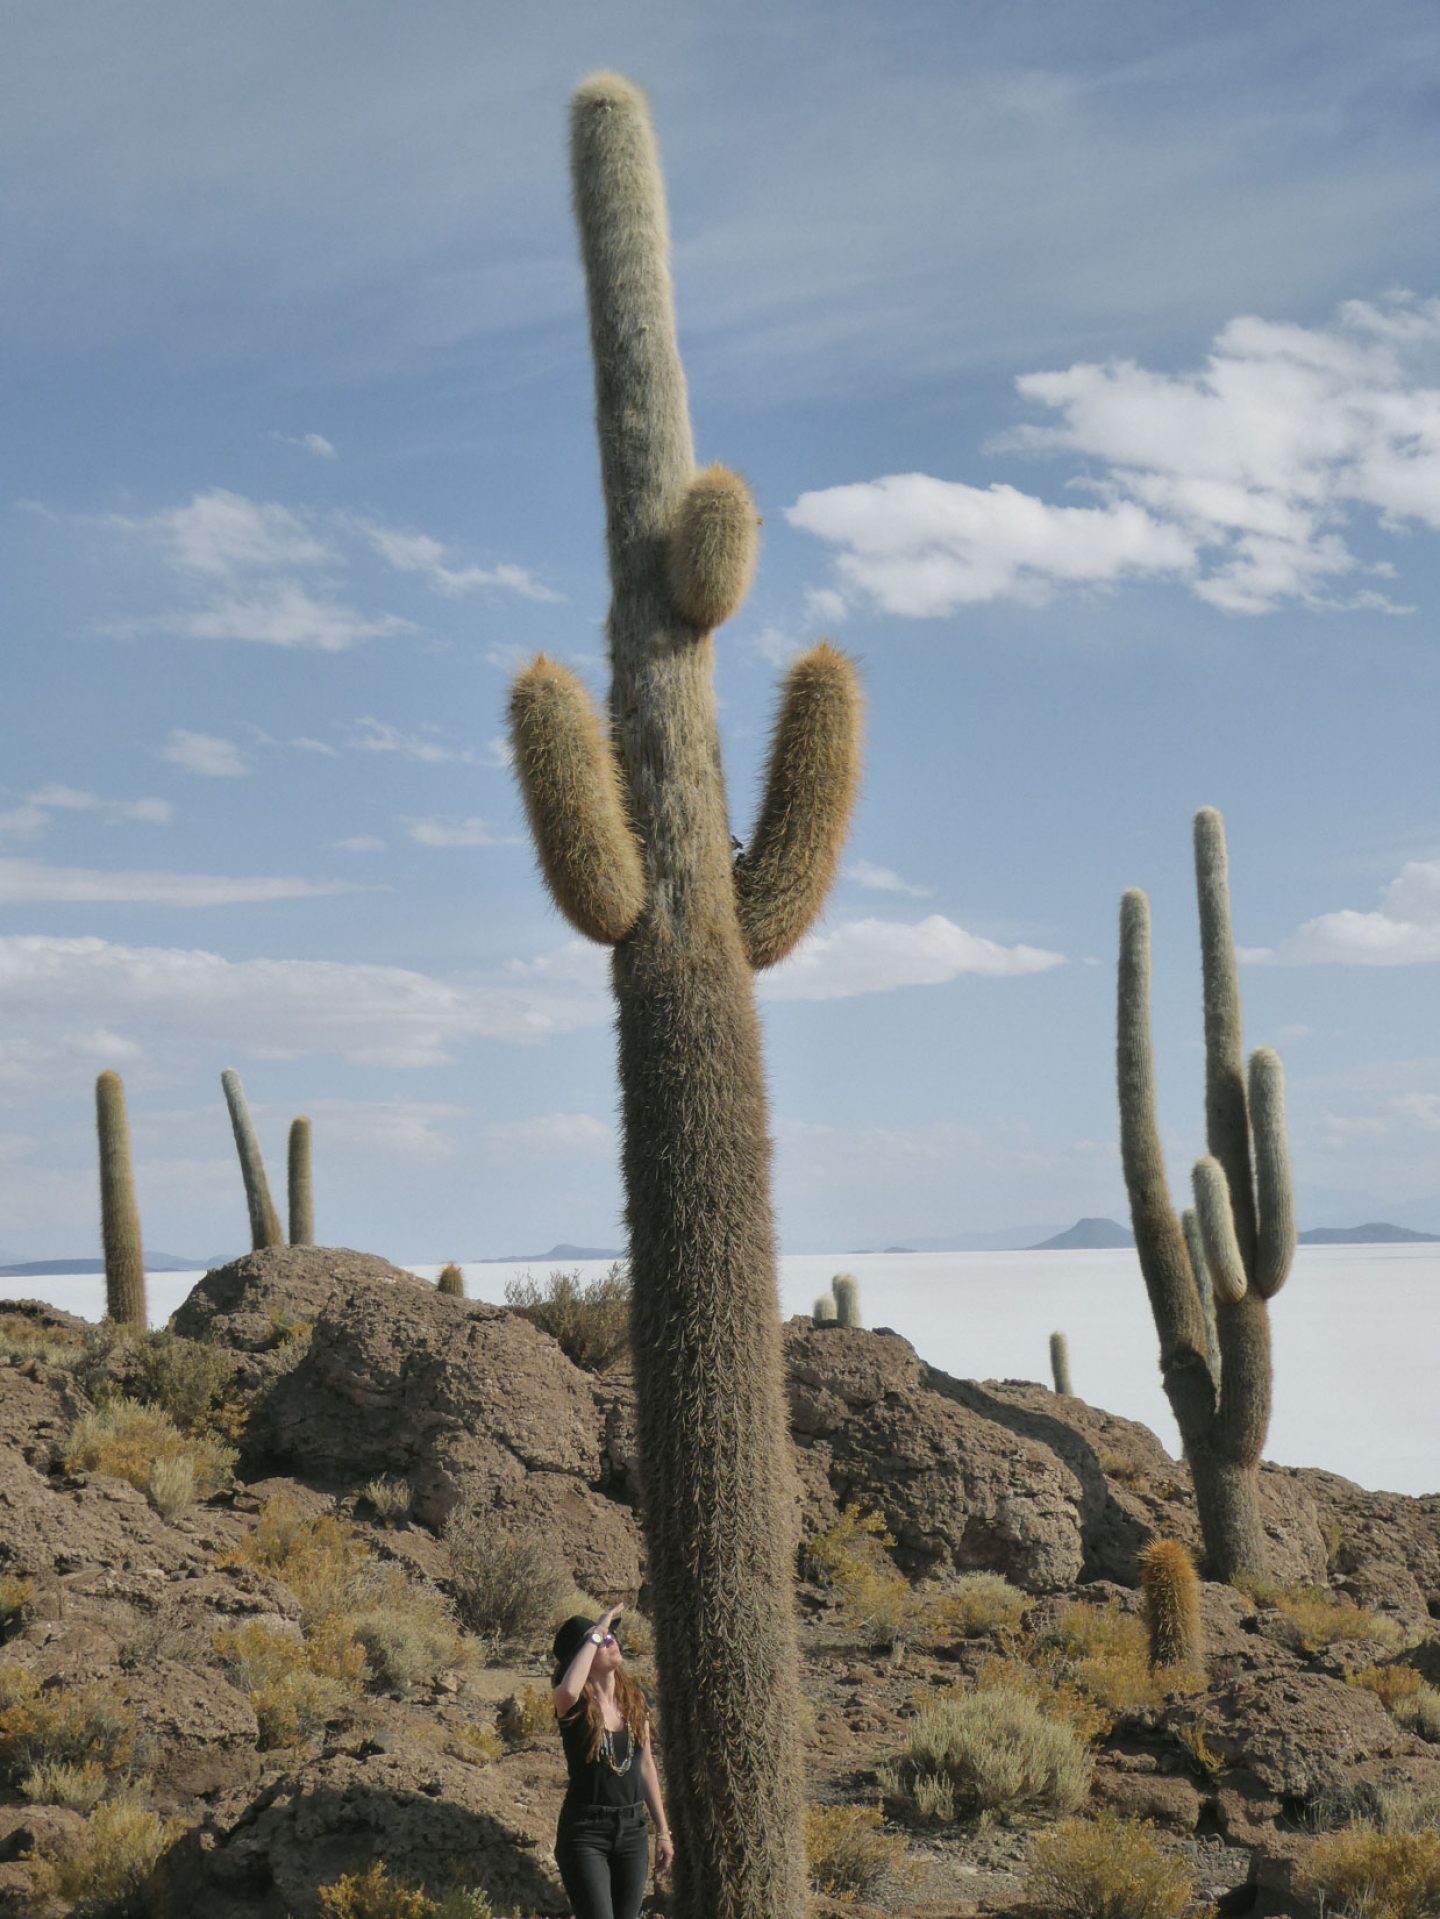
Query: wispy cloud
[[1405, 931], [360, 843], [419, 553], [30, 882], [877, 956], [471, 832], [880, 879], [205, 754], [222, 534], [1240, 480], [285, 614], [566, 1134], [73, 799], [23, 822], [379, 736], [315, 443]]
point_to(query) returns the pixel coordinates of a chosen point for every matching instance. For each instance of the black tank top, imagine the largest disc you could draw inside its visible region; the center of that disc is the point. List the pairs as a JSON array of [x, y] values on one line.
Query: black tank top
[[594, 1782]]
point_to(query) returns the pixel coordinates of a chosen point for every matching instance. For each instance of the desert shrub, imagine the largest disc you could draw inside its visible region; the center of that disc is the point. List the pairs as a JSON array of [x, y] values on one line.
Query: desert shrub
[[528, 1715], [404, 1625], [59, 1783], [317, 1558], [981, 1603], [1323, 1618], [16, 1603], [1106, 1654], [999, 1753], [124, 1438], [24, 1338], [190, 1380], [875, 1597], [851, 1540], [1057, 1697], [1363, 1873], [110, 1867], [373, 1894], [1376, 1806], [389, 1499], [506, 1585], [171, 1488], [298, 1684], [67, 1725], [1420, 1711], [478, 1745], [1108, 1868], [850, 1854], [590, 1323]]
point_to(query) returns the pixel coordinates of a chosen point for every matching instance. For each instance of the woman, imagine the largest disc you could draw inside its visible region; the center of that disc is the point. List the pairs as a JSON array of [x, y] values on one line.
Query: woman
[[601, 1844]]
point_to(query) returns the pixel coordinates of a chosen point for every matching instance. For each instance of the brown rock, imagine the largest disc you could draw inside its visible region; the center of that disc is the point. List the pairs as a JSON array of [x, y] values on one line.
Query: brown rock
[[1171, 1800]]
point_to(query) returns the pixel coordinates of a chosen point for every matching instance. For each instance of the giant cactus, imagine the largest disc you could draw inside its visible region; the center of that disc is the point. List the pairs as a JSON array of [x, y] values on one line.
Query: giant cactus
[[119, 1213], [1243, 1238], [300, 1184], [633, 839], [265, 1227]]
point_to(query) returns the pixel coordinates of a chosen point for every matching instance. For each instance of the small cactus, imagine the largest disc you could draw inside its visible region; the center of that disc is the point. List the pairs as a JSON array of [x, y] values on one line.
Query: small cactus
[[1170, 1587], [265, 1228], [302, 1195], [825, 1313], [1060, 1363], [846, 1290], [451, 1281], [119, 1213]]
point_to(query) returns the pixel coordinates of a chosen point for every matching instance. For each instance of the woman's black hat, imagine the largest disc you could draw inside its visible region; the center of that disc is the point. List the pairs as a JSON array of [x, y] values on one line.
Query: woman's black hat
[[568, 1641]]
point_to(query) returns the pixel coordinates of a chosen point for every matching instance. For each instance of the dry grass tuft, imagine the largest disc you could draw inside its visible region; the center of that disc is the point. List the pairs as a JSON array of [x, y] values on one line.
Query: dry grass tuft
[[980, 1603], [851, 1855], [24, 1338], [389, 1498], [992, 1752], [506, 1585], [1323, 1618], [1108, 1868], [527, 1716], [1364, 1873], [316, 1558], [17, 1597], [590, 1323], [298, 1684], [405, 1627], [60, 1783], [59, 1725], [127, 1439], [110, 1867]]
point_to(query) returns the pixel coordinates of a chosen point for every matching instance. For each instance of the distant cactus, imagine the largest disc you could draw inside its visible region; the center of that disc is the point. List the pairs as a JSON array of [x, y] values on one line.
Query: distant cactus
[[1170, 1587], [634, 841], [845, 1289], [265, 1228], [1060, 1363], [825, 1313], [302, 1196], [1243, 1241], [119, 1212], [451, 1281]]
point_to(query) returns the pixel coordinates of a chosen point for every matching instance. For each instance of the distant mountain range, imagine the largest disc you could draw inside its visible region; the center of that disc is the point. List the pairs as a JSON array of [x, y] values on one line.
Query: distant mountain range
[[1087, 1235], [563, 1251], [85, 1268], [1109, 1234]]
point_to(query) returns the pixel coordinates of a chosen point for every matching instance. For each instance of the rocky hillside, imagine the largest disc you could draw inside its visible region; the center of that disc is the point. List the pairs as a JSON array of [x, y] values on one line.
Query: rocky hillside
[[197, 1696]]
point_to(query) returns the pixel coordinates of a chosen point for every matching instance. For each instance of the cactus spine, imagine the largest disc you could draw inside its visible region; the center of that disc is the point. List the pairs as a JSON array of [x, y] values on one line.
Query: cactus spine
[[1170, 1588], [265, 1228], [119, 1212], [845, 1291], [451, 1281], [1244, 1232], [302, 1193], [633, 838], [1060, 1363]]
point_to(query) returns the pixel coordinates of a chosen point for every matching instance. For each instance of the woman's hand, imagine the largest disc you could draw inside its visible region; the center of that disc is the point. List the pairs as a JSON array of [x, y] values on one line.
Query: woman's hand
[[664, 1852], [607, 1624]]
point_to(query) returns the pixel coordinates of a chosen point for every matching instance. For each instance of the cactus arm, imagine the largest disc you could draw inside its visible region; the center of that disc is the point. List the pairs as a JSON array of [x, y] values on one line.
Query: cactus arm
[[265, 1228], [301, 1188], [1195, 1246], [1217, 1233], [587, 851], [119, 1212], [783, 876], [712, 548], [1227, 1122], [1159, 1242], [1276, 1225]]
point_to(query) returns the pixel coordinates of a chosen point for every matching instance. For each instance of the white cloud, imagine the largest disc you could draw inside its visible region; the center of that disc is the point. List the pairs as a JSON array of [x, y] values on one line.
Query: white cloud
[[824, 605], [23, 822], [922, 547], [197, 1003], [411, 1128], [567, 1134], [876, 956], [221, 534], [74, 799], [28, 882], [285, 614], [774, 644], [379, 736], [206, 754], [1240, 479], [471, 832], [418, 553], [1404, 932], [880, 879], [315, 443], [302, 743], [360, 843]]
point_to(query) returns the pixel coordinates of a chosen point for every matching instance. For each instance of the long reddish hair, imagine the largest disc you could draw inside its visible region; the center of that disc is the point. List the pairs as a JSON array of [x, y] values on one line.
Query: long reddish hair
[[631, 1702]]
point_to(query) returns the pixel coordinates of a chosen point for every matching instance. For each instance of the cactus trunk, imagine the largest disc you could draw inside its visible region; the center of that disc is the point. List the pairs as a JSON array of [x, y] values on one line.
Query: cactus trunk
[[302, 1194], [119, 1211], [265, 1228], [1060, 1363]]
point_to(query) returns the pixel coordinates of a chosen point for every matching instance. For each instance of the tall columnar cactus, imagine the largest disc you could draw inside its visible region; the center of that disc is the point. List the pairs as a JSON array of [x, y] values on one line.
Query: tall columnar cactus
[[1243, 1239], [265, 1227], [302, 1192], [633, 838], [1060, 1362], [119, 1213], [845, 1291], [1170, 1588]]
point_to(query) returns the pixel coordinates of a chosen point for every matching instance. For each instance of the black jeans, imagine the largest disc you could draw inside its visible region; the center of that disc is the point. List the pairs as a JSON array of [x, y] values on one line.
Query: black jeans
[[603, 1853]]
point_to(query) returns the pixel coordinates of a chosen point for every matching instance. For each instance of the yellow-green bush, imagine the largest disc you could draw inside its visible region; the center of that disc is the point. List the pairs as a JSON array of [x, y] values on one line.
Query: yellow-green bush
[[67, 1725], [317, 1558], [373, 1894], [124, 1438], [506, 1584], [1323, 1618], [1106, 1653], [590, 1323], [1055, 1696], [1363, 1873], [980, 1603], [851, 1540], [1107, 1868], [16, 1602], [24, 1338], [998, 1752], [1421, 1713], [296, 1684], [389, 1498], [876, 1599], [111, 1865], [59, 1783], [850, 1854], [527, 1715], [405, 1627]]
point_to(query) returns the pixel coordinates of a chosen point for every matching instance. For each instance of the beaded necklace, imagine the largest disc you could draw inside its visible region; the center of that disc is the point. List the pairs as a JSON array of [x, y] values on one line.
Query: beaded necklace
[[607, 1746]]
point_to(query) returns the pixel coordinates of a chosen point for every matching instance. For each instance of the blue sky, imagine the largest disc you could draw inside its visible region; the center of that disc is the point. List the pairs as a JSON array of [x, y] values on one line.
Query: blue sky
[[1085, 362]]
